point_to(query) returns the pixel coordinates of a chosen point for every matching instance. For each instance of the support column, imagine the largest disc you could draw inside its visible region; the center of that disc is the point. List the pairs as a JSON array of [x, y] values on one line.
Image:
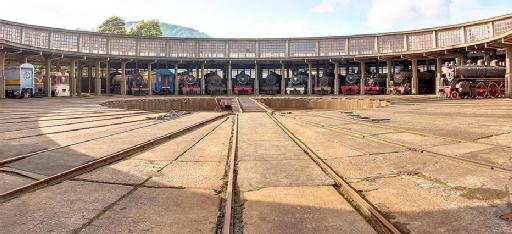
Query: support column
[[2, 75], [363, 76], [439, 63], [389, 64], [283, 80], [310, 79], [336, 78], [47, 78], [257, 80], [150, 79], [176, 81], [107, 78], [414, 80], [508, 74], [123, 80], [79, 79], [97, 82], [203, 90], [72, 78], [230, 81], [89, 78]]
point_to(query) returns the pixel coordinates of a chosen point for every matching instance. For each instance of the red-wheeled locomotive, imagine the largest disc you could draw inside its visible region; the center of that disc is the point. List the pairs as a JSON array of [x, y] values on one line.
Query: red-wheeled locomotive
[[473, 80]]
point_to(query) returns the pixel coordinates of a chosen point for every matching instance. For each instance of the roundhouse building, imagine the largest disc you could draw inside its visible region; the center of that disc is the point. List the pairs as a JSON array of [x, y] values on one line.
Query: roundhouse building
[[90, 56]]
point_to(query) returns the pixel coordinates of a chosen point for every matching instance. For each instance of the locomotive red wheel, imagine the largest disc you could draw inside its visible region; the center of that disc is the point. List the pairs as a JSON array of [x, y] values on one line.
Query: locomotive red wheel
[[494, 90], [481, 90], [502, 89], [454, 95]]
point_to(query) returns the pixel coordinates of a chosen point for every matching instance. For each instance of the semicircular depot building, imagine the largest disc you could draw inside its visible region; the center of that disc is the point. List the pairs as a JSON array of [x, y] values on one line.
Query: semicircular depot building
[[91, 57]]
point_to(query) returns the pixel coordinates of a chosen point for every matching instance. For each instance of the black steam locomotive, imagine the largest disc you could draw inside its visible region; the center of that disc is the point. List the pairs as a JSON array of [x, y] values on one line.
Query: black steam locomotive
[[135, 84], [215, 85], [243, 84], [350, 84], [272, 84], [473, 80], [189, 84], [298, 83], [402, 82], [325, 84]]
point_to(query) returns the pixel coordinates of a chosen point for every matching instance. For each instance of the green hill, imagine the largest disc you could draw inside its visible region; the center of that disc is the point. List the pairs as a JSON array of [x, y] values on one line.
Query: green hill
[[173, 30]]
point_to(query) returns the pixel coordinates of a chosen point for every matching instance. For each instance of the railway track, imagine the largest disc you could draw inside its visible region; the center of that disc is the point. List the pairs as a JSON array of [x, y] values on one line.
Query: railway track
[[105, 160], [111, 117], [415, 149], [360, 203]]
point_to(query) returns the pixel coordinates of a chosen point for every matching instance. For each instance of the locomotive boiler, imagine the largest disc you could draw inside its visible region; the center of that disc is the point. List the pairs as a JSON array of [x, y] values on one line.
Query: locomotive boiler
[[473, 80], [272, 84], [188, 83], [298, 83], [135, 83], [325, 84], [215, 85], [243, 84]]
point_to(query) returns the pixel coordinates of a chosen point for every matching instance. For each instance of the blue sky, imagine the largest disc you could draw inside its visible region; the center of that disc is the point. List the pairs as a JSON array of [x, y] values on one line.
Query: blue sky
[[262, 18]]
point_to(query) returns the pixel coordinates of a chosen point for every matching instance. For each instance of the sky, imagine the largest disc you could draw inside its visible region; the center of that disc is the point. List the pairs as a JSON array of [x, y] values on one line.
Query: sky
[[261, 18]]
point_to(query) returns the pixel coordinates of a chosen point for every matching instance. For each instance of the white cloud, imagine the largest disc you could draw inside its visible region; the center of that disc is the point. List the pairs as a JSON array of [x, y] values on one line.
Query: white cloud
[[384, 14], [326, 6]]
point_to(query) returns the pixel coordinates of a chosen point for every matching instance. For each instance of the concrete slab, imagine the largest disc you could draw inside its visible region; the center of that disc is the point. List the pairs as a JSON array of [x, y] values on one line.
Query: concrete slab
[[213, 148], [12, 148], [9, 181], [417, 205], [253, 175], [161, 210], [300, 210], [498, 156], [207, 175], [61, 160], [275, 149], [415, 140], [130, 171], [317, 136], [58, 209], [459, 148], [503, 139]]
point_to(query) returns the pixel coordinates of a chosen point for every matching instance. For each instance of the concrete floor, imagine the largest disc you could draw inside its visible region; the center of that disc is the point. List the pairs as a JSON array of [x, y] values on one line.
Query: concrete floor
[[431, 166]]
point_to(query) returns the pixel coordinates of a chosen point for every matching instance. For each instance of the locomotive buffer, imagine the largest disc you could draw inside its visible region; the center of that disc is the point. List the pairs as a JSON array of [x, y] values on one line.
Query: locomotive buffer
[[248, 105]]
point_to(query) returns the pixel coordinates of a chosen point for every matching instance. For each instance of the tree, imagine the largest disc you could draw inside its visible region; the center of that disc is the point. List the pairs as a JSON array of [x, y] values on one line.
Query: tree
[[149, 28], [114, 24]]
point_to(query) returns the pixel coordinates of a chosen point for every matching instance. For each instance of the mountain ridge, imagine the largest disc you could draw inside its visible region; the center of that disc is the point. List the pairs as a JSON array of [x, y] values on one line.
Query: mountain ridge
[[173, 30]]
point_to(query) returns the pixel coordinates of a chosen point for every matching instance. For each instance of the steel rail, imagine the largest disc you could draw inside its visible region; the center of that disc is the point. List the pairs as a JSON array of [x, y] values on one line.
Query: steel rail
[[230, 191]]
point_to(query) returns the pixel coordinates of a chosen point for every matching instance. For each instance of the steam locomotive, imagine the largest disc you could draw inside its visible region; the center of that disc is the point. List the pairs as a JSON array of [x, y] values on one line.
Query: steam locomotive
[[298, 83], [402, 82], [188, 83], [243, 84], [350, 84], [375, 84], [473, 80], [215, 85], [272, 84], [325, 84], [136, 85]]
